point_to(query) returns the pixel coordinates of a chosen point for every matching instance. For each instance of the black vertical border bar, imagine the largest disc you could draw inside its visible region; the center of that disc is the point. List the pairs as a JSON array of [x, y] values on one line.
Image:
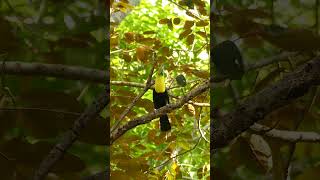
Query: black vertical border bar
[[210, 85], [108, 83]]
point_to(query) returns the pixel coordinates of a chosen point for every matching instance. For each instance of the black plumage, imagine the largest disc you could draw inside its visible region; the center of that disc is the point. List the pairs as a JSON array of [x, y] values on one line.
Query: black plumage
[[160, 100], [228, 60]]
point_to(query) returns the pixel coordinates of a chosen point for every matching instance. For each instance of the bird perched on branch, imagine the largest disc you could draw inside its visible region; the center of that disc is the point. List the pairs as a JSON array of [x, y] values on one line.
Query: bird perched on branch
[[228, 60], [160, 99]]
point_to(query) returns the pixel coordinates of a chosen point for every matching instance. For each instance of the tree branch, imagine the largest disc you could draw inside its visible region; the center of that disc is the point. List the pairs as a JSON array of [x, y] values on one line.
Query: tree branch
[[98, 176], [260, 64], [270, 60], [130, 106], [288, 136], [54, 70], [157, 113], [292, 146], [72, 135], [256, 107], [125, 83]]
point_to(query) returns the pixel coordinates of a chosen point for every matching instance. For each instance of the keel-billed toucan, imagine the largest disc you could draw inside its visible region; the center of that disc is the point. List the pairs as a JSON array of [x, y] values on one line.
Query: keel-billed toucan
[[160, 99]]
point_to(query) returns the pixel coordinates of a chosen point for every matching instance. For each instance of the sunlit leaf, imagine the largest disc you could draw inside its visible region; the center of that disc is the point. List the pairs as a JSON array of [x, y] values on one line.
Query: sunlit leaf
[[188, 24], [69, 21], [176, 21], [190, 39], [129, 37], [164, 21], [185, 33]]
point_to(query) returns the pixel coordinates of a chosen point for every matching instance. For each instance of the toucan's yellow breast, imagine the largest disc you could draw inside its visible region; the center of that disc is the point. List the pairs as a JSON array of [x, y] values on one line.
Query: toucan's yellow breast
[[160, 85]]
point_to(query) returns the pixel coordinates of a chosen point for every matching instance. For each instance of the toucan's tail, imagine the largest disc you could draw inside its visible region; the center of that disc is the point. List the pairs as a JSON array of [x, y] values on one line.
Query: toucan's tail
[[164, 123]]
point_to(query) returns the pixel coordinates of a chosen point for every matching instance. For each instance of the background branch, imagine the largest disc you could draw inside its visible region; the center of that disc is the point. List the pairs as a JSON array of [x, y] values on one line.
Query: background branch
[[288, 136], [270, 60], [54, 70], [259, 64]]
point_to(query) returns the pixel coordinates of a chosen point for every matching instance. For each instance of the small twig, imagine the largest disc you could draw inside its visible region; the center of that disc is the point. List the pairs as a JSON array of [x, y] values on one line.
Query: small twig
[[12, 98], [270, 60], [4, 156], [192, 102], [184, 9], [175, 87], [199, 127], [4, 87], [82, 93], [42, 8], [297, 14], [198, 50], [199, 104], [167, 161], [121, 50], [162, 152], [130, 106], [125, 83]]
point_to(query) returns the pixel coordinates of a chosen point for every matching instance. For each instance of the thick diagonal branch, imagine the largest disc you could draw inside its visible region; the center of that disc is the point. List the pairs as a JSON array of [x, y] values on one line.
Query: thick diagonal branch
[[256, 107], [91, 113], [54, 70], [157, 113]]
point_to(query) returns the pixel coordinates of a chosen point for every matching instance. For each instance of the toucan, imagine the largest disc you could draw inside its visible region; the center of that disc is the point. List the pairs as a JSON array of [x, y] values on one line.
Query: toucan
[[160, 99], [227, 58]]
